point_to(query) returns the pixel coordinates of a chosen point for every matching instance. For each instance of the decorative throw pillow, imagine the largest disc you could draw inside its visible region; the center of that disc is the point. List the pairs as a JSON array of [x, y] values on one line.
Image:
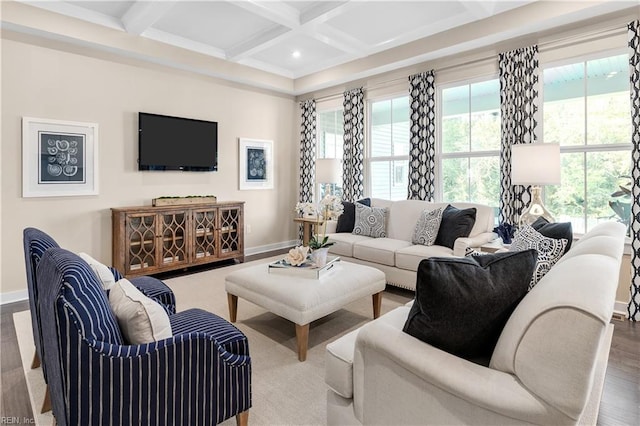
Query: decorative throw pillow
[[103, 272], [347, 220], [554, 230], [463, 303], [427, 227], [549, 250], [455, 223], [370, 221], [141, 319]]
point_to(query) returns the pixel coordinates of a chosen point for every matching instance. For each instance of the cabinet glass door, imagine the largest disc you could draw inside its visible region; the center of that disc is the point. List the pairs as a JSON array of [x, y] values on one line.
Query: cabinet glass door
[[204, 238], [174, 237], [231, 222], [142, 243]]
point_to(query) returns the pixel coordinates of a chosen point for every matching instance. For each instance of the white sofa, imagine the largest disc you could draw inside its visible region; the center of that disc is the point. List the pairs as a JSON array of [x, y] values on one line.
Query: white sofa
[[395, 255], [548, 366]]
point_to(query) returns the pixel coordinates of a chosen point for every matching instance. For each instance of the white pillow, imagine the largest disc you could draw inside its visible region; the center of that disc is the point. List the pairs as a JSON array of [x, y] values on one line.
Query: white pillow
[[370, 221], [102, 271], [141, 319]]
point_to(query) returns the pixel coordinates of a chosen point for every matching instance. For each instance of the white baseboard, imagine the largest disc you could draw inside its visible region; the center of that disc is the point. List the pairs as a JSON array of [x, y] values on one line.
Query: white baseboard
[[620, 308], [270, 247], [13, 296]]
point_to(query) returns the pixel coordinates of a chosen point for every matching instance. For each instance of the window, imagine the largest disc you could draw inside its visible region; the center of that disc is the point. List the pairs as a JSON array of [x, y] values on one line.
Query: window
[[388, 148], [469, 148], [330, 133], [586, 110]]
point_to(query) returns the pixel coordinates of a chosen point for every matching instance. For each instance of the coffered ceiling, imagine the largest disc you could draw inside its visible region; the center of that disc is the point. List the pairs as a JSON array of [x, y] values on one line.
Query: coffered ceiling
[[298, 39]]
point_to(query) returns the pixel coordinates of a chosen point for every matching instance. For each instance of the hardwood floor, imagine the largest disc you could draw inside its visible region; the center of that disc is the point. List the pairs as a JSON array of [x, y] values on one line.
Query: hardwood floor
[[620, 403]]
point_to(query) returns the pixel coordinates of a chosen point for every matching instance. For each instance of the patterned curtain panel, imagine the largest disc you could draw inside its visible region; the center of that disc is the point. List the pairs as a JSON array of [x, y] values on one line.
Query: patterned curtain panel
[[634, 73], [307, 153], [518, 107], [353, 157], [422, 144]]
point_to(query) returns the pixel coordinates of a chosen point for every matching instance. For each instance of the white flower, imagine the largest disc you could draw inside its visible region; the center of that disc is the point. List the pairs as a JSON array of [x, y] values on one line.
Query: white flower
[[331, 207], [297, 255], [306, 209]]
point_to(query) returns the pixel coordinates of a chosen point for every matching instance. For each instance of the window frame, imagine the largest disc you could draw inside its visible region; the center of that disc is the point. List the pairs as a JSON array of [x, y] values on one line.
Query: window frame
[[585, 148], [368, 159], [440, 155]]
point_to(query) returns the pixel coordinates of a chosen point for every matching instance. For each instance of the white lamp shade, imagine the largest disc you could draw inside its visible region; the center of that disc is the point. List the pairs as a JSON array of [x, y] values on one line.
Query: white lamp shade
[[535, 164], [328, 170]]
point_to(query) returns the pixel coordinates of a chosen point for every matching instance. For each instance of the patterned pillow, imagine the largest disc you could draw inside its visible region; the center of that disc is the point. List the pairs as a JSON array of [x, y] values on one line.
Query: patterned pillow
[[370, 221], [549, 250], [427, 227]]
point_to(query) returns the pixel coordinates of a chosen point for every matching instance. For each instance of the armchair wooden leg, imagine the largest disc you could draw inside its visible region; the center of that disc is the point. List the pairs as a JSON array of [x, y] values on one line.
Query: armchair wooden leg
[[36, 361], [242, 419], [46, 404]]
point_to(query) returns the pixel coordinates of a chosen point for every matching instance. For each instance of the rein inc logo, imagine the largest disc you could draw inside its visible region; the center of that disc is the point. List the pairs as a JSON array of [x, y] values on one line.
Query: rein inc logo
[[14, 420]]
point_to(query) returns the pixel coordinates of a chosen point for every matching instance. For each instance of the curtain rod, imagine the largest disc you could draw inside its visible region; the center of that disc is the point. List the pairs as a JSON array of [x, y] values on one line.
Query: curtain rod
[[543, 45]]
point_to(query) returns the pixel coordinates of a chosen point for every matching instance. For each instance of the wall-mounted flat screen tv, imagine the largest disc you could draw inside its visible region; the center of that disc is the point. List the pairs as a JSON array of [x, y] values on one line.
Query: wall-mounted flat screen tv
[[174, 143]]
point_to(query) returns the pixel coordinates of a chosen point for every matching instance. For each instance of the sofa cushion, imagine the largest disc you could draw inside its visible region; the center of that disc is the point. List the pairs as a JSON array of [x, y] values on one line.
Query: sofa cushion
[[343, 243], [347, 219], [103, 272], [555, 230], [370, 221], [141, 319], [379, 250], [427, 227], [549, 250], [410, 257], [455, 223], [338, 371], [462, 304]]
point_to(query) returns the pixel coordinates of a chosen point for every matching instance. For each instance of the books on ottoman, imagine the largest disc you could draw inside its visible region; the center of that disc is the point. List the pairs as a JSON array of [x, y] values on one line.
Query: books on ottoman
[[307, 270]]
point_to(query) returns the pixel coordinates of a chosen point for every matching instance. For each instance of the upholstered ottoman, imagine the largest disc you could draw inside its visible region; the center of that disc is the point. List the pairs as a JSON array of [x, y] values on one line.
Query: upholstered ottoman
[[303, 300]]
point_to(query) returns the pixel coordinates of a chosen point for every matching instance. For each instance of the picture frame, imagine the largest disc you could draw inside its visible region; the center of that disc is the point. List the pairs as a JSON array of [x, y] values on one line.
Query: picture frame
[[255, 164], [59, 158]]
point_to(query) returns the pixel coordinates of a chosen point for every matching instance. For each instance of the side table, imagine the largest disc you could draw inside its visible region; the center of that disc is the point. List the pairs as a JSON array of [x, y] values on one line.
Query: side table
[[308, 225]]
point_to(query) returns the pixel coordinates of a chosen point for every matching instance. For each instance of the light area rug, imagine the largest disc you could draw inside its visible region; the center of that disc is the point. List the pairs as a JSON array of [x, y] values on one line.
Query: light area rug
[[284, 390]]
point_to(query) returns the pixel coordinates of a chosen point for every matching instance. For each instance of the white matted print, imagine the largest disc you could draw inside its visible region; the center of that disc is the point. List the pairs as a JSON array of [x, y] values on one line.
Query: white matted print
[[59, 158], [256, 164]]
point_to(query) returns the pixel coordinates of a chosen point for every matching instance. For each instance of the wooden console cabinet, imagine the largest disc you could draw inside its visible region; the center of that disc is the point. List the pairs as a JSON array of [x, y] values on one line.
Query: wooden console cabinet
[[148, 240]]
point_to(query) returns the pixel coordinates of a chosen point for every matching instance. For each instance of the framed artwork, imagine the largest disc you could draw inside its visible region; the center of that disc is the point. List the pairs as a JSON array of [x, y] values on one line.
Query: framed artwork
[[59, 158], [256, 164]]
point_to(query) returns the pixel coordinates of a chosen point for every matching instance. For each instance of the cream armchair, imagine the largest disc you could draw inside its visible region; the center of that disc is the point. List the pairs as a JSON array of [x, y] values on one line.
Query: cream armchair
[[547, 368]]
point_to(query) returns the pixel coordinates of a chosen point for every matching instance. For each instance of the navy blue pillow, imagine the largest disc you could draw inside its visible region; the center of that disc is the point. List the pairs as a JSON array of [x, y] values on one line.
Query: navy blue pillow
[[555, 230], [455, 223], [347, 219], [462, 304]]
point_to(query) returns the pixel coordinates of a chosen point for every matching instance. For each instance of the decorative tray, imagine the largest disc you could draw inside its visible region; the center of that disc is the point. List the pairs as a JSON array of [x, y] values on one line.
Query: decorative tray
[[307, 270]]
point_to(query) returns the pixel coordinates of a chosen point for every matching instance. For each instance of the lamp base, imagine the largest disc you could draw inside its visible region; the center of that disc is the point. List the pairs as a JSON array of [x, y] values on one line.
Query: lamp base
[[535, 209]]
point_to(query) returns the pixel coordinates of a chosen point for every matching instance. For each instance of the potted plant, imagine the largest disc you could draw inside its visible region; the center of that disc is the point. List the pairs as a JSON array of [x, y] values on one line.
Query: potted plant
[[331, 207]]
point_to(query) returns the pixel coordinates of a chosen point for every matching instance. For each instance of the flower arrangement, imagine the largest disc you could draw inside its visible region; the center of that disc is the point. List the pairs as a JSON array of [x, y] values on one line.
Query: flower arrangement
[[331, 207], [306, 209]]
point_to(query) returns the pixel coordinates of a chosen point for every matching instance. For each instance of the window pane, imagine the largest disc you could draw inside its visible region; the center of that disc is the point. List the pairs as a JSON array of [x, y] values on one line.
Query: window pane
[[400, 123], [330, 134], [566, 202], [381, 129], [607, 171], [564, 103], [389, 179], [608, 112], [484, 181], [455, 119], [455, 179], [485, 115]]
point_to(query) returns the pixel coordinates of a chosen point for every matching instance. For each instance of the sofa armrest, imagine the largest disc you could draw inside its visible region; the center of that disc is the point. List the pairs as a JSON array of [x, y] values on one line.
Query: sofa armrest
[[398, 378], [331, 226], [463, 243]]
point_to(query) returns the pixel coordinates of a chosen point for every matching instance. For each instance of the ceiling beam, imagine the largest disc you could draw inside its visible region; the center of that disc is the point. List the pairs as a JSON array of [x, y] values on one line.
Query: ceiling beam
[[143, 14], [276, 11], [259, 42]]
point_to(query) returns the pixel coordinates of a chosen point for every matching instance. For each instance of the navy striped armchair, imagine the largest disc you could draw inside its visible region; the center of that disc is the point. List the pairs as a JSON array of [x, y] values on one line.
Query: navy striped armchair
[[199, 376]]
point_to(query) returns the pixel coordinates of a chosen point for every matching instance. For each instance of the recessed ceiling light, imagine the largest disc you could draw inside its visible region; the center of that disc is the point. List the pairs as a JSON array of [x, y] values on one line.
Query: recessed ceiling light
[[296, 54]]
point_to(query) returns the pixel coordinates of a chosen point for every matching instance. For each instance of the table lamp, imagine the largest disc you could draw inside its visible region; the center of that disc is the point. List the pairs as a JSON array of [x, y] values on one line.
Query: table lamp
[[535, 164], [328, 171]]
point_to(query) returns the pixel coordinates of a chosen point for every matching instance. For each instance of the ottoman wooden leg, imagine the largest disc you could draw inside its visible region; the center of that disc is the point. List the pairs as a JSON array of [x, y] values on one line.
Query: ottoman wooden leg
[[377, 303], [302, 338], [233, 306]]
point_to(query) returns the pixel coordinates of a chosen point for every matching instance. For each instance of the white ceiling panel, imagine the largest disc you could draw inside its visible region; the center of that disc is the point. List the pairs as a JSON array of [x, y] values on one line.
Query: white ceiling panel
[[115, 9], [220, 24]]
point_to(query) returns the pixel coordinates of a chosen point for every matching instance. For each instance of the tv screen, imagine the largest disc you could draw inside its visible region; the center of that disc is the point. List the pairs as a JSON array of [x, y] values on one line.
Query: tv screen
[[174, 143]]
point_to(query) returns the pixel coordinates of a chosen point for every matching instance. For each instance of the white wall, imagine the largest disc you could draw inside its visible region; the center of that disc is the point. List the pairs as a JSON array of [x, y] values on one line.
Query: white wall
[[38, 81]]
